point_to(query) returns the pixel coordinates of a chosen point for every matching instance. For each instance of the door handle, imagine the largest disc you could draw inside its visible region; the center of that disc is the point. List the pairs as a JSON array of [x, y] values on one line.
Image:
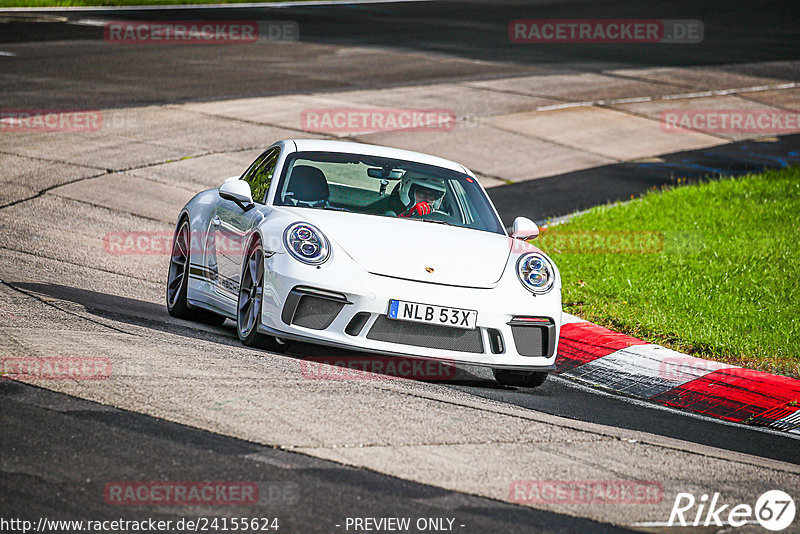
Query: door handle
[[216, 221]]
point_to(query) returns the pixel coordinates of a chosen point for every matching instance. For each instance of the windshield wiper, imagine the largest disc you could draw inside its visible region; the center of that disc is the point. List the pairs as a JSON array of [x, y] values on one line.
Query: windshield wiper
[[435, 221], [332, 208]]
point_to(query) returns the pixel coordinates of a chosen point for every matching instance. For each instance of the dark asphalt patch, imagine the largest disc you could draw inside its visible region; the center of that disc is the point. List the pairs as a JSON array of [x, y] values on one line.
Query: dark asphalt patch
[[470, 40]]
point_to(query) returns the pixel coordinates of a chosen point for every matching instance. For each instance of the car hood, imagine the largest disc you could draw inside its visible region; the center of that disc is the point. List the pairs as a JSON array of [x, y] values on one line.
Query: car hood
[[414, 250]]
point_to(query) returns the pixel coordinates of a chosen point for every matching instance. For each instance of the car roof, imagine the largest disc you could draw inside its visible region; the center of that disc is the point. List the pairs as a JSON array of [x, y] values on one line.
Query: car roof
[[324, 145]]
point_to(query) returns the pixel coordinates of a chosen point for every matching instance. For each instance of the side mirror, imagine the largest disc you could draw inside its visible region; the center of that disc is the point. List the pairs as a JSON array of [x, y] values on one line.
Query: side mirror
[[524, 229], [237, 191]]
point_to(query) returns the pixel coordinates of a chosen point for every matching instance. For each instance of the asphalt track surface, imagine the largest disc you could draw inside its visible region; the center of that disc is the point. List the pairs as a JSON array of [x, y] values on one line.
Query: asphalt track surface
[[70, 65], [48, 436], [85, 445], [557, 396]]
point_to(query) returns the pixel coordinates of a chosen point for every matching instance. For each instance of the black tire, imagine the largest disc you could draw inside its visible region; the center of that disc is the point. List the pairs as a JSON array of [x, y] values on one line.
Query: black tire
[[178, 281], [520, 379], [248, 305]]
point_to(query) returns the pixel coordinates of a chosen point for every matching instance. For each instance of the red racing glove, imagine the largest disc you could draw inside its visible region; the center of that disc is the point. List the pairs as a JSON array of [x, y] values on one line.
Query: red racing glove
[[420, 208]]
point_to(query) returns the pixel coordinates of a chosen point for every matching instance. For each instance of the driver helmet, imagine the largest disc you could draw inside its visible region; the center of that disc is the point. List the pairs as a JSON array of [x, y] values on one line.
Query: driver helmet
[[413, 182]]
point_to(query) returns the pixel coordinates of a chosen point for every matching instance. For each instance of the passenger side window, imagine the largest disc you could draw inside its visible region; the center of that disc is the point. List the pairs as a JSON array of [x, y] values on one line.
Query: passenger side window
[[259, 176]]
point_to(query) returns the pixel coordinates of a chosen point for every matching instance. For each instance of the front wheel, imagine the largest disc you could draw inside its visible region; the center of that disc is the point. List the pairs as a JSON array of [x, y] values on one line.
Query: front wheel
[[520, 379], [251, 294]]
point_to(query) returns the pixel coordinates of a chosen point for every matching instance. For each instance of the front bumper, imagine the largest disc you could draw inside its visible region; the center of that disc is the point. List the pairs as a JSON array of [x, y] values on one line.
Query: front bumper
[[341, 305]]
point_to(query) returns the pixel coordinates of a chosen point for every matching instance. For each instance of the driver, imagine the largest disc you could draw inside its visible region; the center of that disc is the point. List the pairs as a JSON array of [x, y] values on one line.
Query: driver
[[420, 195]]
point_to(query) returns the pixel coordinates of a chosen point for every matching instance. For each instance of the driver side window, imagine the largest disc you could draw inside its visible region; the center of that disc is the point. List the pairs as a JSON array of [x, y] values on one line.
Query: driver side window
[[259, 176]]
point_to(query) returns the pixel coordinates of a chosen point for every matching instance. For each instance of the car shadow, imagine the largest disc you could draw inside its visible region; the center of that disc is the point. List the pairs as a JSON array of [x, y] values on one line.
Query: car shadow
[[347, 364], [127, 310]]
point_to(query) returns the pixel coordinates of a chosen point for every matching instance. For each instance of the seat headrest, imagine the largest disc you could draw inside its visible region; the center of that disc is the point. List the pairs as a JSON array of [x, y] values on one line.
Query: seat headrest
[[308, 184]]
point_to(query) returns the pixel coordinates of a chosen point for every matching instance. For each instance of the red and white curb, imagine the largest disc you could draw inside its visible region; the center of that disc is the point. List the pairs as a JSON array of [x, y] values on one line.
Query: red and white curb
[[630, 366]]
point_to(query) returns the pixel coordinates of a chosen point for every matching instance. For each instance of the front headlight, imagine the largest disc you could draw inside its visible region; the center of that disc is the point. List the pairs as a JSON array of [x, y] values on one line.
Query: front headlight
[[536, 273], [306, 243]]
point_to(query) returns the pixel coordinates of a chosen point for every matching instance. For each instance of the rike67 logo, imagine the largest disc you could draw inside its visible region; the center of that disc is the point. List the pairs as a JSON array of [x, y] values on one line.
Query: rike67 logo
[[774, 510]]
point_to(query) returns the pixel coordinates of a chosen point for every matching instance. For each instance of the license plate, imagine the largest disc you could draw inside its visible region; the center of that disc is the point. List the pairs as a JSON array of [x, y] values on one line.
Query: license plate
[[430, 314]]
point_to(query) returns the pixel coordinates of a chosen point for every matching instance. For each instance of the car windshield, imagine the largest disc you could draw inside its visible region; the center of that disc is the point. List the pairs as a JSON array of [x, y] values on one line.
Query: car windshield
[[385, 187]]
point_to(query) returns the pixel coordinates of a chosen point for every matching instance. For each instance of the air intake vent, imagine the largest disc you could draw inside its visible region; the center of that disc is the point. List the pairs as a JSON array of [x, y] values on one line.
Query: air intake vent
[[424, 335], [356, 324], [312, 308], [316, 313], [495, 341], [534, 336]]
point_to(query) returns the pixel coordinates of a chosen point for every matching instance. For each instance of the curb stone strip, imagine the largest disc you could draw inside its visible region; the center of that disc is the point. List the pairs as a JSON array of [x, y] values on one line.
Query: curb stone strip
[[786, 418], [635, 368]]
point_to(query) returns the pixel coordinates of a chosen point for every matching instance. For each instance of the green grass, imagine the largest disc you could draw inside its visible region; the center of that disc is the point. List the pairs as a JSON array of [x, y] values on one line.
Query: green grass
[[716, 274]]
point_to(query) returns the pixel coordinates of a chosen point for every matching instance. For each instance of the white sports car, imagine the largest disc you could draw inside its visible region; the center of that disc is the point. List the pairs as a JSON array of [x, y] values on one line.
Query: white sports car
[[368, 248]]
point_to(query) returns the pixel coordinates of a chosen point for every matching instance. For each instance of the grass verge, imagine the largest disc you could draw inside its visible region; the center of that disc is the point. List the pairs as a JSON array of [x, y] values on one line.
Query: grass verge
[[711, 269]]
